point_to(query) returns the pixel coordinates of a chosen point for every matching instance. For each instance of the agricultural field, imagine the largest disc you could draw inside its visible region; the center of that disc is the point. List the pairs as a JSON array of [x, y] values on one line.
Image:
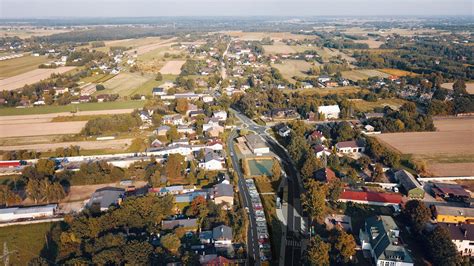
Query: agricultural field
[[291, 68], [448, 151], [73, 108], [386, 32], [365, 106], [373, 44], [27, 240], [31, 77], [28, 32], [143, 48], [116, 144], [20, 65], [397, 72], [326, 91], [469, 87], [42, 128], [258, 36], [279, 48], [125, 83], [363, 74], [172, 67]]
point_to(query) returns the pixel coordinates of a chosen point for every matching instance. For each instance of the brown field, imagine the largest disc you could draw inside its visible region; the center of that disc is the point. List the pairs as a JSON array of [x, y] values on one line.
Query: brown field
[[20, 65], [291, 68], [30, 77], [116, 144], [38, 129], [257, 36], [143, 49], [373, 44], [279, 48], [362, 74], [365, 106], [327, 91], [124, 83], [469, 87], [172, 67], [397, 72], [452, 144]]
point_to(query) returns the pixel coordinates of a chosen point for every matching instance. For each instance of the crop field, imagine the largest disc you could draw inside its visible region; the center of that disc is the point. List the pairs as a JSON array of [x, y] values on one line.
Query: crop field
[[39, 129], [143, 49], [363, 74], [28, 32], [365, 106], [30, 77], [20, 65], [326, 91], [373, 44], [72, 108], [124, 83], [172, 67], [254, 36], [448, 151], [291, 68], [469, 87], [397, 72], [116, 144], [279, 48]]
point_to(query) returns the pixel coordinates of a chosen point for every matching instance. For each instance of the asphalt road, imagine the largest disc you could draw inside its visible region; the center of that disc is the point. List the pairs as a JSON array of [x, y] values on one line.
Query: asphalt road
[[253, 249], [293, 251]]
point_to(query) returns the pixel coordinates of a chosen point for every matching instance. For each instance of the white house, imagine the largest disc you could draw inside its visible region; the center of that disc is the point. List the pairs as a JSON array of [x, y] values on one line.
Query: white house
[[207, 98], [158, 91], [256, 144], [215, 145], [212, 162], [351, 146], [330, 111], [173, 119], [284, 131], [324, 79], [220, 115]]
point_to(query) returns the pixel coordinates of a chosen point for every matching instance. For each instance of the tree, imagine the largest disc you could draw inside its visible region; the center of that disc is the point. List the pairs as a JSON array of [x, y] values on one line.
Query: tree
[[276, 171], [409, 107], [198, 208], [8, 197], [314, 200], [181, 105], [343, 245], [137, 252], [459, 87], [442, 250], [318, 252], [310, 165], [38, 261], [171, 243], [174, 166], [159, 77], [377, 174], [298, 149], [33, 190], [45, 167], [172, 134], [417, 214], [335, 189]]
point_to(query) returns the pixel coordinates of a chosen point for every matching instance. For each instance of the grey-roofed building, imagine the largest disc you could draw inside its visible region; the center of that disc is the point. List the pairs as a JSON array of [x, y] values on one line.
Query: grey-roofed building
[[30, 212], [409, 183], [222, 235], [106, 197], [380, 235], [189, 223], [205, 237], [223, 193], [256, 144], [462, 236]]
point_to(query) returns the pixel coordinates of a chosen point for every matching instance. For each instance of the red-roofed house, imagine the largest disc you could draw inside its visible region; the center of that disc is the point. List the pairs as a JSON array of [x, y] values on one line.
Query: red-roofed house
[[371, 198], [325, 175], [213, 260]]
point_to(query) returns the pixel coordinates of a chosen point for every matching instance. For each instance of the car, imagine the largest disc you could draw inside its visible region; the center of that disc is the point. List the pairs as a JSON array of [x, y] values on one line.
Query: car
[[263, 236], [261, 224], [247, 209], [259, 213], [260, 219], [257, 206]]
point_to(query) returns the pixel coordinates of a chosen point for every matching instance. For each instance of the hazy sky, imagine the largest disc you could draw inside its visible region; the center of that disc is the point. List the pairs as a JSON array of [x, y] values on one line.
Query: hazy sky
[[150, 8]]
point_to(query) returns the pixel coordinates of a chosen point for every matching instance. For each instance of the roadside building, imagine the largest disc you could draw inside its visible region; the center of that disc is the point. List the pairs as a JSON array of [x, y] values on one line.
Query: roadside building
[[380, 235], [284, 131], [256, 144], [462, 236], [448, 214], [329, 111], [450, 192], [409, 183], [371, 198], [212, 161], [223, 193]]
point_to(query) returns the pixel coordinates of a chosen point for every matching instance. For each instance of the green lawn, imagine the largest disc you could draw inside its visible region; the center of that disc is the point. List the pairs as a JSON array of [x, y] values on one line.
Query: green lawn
[[26, 240], [72, 108]]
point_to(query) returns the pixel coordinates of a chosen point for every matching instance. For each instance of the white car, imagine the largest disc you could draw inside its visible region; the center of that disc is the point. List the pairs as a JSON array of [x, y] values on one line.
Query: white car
[[260, 219]]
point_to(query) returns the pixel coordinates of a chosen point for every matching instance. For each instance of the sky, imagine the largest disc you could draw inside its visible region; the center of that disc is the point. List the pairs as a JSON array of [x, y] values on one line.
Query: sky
[[156, 8]]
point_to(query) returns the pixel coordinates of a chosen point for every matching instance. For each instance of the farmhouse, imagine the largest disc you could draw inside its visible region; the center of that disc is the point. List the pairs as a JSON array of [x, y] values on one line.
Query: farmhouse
[[256, 144], [380, 236], [462, 236], [33, 212], [352, 146], [409, 183], [329, 111], [447, 214]]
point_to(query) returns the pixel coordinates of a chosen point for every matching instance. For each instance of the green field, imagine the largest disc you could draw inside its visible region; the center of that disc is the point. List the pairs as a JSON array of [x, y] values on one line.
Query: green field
[[291, 68], [363, 74], [125, 84], [97, 78], [260, 167], [26, 240], [365, 106], [16, 66], [72, 108]]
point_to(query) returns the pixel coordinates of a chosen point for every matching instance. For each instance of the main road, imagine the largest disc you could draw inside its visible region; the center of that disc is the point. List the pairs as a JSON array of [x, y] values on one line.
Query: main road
[[253, 249], [295, 229]]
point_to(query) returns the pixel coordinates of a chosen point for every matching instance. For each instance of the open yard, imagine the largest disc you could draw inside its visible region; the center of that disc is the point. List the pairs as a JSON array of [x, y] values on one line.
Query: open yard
[[291, 68], [363, 74], [74, 108], [30, 77], [172, 67], [124, 83], [469, 87], [20, 65], [448, 151]]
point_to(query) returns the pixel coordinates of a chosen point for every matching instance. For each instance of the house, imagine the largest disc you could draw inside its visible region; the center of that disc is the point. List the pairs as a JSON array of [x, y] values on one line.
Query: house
[[325, 175], [324, 79], [32, 212], [331, 84], [222, 236], [145, 116], [381, 236], [220, 115], [183, 129], [316, 135], [462, 236], [284, 113], [106, 197], [351, 146], [212, 161], [214, 145], [256, 144], [196, 113], [162, 130], [223, 193], [59, 91], [329, 111], [214, 131], [102, 98], [450, 192], [409, 183], [205, 237], [158, 91], [449, 214], [368, 116], [284, 131], [215, 260], [172, 190], [210, 124], [157, 143], [321, 151], [207, 98], [371, 198], [189, 223], [176, 119], [84, 98]]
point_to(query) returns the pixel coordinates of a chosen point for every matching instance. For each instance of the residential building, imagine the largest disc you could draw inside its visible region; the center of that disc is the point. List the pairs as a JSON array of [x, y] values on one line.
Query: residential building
[[256, 144], [31, 212], [223, 193], [321, 151], [215, 145], [409, 183], [324, 79], [220, 115], [329, 111], [371, 198], [351, 146], [214, 131], [450, 192], [222, 236], [212, 161], [106, 197], [462, 236], [158, 91], [284, 131], [380, 235], [325, 175], [205, 237], [449, 214], [176, 119], [162, 130]]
